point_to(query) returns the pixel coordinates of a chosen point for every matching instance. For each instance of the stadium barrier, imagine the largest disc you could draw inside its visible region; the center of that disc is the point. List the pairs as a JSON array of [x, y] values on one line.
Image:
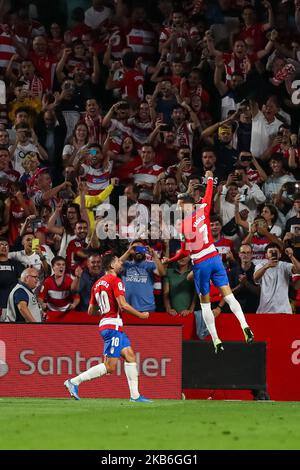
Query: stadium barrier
[[36, 359], [239, 367], [280, 332]]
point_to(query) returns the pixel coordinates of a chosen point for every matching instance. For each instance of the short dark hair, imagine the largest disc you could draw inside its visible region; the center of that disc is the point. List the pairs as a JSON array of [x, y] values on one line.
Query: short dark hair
[[21, 109], [272, 245], [194, 176], [278, 157], [56, 259], [129, 59], [107, 260], [216, 218], [209, 149]]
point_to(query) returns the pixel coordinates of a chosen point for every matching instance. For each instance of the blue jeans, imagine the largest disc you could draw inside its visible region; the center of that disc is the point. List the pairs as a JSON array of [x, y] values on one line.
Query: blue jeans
[[201, 328]]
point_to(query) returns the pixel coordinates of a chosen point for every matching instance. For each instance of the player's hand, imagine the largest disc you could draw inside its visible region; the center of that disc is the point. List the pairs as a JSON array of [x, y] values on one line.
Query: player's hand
[[144, 315], [165, 261], [209, 174]]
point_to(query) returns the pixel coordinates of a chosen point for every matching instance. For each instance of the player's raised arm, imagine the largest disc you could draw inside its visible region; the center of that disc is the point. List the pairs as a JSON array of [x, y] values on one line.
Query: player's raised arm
[[209, 189], [124, 305]]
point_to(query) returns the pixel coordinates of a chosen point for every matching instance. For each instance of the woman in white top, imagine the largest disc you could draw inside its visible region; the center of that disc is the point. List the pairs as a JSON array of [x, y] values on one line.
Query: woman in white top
[[78, 146], [270, 214]]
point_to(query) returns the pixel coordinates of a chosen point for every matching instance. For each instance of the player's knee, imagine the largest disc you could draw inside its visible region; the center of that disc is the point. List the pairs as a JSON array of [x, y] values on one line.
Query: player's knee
[[130, 357], [110, 367]]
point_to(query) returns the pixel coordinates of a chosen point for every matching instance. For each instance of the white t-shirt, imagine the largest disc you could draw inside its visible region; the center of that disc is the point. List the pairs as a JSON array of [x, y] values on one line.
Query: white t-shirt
[[274, 284], [261, 133], [19, 155], [29, 261], [94, 18]]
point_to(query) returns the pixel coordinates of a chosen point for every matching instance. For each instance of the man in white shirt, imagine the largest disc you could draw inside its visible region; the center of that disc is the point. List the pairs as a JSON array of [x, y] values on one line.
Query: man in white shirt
[[264, 125], [274, 276], [97, 14]]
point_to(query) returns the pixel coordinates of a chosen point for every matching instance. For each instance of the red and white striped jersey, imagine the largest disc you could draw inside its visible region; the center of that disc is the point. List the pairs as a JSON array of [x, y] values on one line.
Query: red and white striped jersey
[[184, 135], [147, 174], [104, 293], [181, 48], [117, 133], [224, 246], [97, 179], [141, 38], [235, 65], [45, 67], [140, 130], [57, 298], [7, 49], [196, 237], [258, 247]]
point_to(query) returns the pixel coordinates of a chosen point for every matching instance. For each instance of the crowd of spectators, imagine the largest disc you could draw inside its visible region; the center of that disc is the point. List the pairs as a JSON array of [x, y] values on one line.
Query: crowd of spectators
[[124, 98]]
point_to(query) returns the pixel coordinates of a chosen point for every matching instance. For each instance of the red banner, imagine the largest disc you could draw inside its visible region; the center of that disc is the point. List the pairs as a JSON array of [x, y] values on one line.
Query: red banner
[[156, 318], [35, 360]]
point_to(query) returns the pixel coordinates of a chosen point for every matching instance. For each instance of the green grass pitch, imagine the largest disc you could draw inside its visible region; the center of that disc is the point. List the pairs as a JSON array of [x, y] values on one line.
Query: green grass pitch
[[36, 423]]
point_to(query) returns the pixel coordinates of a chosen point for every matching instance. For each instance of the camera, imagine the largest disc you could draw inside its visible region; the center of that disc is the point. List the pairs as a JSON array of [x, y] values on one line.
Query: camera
[[93, 152], [242, 198], [141, 249], [237, 177]]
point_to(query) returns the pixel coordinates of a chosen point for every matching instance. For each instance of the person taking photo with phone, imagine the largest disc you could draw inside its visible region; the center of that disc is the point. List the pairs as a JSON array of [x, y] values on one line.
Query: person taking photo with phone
[[138, 276], [274, 275]]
